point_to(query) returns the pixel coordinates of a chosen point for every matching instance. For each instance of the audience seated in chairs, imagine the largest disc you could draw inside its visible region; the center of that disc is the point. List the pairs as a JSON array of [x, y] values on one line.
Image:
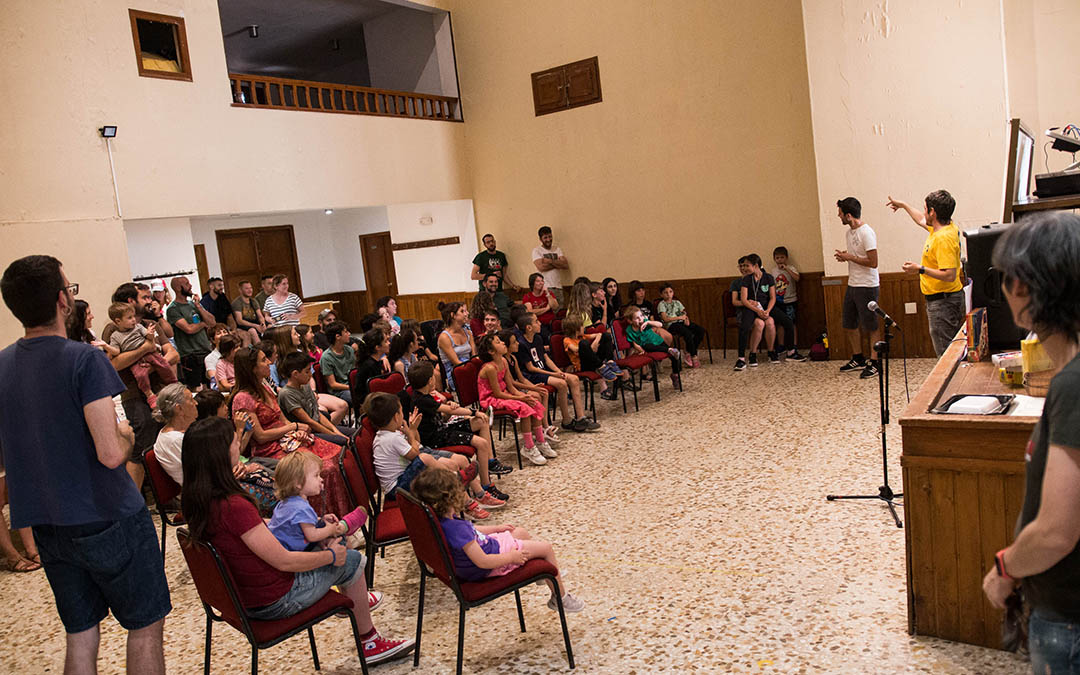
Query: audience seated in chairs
[[283, 308], [510, 339], [271, 581], [614, 300], [592, 353], [225, 369], [498, 392], [307, 342], [337, 361], [389, 304], [248, 315], [274, 436], [456, 344], [538, 368], [211, 360], [370, 360], [402, 354], [677, 322], [298, 401], [287, 341], [644, 339], [541, 303], [399, 456]]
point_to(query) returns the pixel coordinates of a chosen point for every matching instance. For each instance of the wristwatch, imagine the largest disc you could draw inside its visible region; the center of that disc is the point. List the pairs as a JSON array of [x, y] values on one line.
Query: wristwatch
[[922, 270], [999, 564]]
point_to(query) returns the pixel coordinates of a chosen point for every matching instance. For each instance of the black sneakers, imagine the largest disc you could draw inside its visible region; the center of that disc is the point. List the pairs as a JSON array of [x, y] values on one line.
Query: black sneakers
[[869, 371], [852, 366], [498, 468], [796, 356], [740, 365], [753, 360]]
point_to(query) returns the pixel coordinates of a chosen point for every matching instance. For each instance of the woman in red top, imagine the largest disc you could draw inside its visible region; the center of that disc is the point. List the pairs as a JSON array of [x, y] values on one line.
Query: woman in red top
[[270, 426], [541, 302], [271, 581]]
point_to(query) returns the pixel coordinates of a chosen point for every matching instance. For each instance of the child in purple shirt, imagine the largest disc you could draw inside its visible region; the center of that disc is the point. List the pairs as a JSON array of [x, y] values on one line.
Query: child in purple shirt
[[484, 551]]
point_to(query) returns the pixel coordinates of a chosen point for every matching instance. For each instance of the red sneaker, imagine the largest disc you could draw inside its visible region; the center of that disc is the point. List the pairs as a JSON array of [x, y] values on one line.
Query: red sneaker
[[491, 501], [374, 599], [378, 649], [468, 473], [474, 511]]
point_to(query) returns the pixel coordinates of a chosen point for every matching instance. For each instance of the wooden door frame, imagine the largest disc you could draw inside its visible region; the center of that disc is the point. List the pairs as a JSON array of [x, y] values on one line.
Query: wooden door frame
[[363, 260], [295, 285]]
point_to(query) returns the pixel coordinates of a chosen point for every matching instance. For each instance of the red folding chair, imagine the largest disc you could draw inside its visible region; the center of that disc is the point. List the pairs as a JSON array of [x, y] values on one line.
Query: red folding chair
[[562, 360], [165, 490], [730, 319], [217, 590], [468, 392], [708, 340], [635, 363], [433, 554], [391, 383]]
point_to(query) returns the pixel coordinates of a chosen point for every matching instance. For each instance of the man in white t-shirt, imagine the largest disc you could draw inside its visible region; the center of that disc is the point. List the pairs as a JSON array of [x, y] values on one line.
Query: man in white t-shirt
[[549, 260], [861, 256]]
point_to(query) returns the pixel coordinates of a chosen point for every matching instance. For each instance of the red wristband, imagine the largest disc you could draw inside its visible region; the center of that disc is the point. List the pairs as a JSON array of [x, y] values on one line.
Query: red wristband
[[999, 563]]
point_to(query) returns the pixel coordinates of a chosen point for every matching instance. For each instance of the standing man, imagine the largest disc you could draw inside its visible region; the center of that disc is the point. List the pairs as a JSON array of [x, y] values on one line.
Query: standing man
[[267, 283], [939, 275], [549, 260], [491, 261], [217, 304], [862, 287], [64, 453], [191, 324], [248, 315]]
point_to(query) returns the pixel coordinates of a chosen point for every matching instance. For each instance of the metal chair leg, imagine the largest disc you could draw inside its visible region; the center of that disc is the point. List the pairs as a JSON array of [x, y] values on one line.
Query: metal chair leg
[[314, 650], [254, 660], [521, 613], [359, 644], [206, 652], [655, 380], [419, 619], [460, 637], [565, 631]]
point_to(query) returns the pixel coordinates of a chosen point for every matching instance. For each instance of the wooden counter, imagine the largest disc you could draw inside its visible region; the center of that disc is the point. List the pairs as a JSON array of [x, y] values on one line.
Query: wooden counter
[[963, 490]]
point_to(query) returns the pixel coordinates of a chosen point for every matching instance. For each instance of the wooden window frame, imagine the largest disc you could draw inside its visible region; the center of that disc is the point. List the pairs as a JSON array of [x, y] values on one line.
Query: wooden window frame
[[181, 45]]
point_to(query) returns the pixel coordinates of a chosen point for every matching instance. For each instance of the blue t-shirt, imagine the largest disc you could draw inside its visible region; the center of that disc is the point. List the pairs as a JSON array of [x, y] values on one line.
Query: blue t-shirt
[[459, 532], [285, 525], [53, 473]]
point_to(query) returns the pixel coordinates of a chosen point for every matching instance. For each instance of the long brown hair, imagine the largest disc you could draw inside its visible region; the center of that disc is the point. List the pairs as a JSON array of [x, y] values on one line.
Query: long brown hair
[[208, 472], [440, 489], [281, 336], [244, 363]]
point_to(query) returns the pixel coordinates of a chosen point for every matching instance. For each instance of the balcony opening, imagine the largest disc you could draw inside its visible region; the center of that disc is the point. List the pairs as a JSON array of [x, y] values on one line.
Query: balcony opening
[[375, 57]]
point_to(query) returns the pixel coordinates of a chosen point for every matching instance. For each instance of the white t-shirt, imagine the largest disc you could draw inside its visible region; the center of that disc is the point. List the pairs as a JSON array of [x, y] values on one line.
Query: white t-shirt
[[211, 360], [167, 450], [859, 241], [553, 277], [787, 290], [389, 450]]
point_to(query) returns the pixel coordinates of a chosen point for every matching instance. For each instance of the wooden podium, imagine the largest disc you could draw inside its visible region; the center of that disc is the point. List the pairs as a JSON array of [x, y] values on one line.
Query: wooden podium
[[963, 490], [309, 315]]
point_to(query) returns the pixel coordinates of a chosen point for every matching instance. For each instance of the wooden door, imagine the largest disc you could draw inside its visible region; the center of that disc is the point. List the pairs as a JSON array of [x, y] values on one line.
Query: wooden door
[[583, 83], [549, 90], [251, 253], [378, 258], [201, 266]]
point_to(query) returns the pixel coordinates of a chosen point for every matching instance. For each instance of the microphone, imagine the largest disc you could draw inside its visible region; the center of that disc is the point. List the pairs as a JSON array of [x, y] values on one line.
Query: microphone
[[873, 307]]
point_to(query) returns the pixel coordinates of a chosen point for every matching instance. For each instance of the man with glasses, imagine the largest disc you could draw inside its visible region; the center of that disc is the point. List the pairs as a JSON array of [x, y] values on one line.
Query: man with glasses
[[64, 451]]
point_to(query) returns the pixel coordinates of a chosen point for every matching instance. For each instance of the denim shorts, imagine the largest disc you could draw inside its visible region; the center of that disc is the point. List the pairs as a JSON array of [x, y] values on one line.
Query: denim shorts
[[1054, 644], [309, 587], [416, 466], [97, 567]]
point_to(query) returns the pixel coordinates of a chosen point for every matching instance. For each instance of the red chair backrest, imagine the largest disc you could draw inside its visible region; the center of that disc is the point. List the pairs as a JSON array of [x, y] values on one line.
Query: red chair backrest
[[354, 377], [465, 375], [212, 578], [476, 324], [558, 351], [621, 343], [355, 480], [164, 487], [319, 380], [389, 384], [365, 441], [556, 325], [726, 304], [428, 540]]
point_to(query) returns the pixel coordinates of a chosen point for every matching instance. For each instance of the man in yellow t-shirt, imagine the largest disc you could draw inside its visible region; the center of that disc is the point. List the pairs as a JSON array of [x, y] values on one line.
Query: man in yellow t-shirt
[[939, 269]]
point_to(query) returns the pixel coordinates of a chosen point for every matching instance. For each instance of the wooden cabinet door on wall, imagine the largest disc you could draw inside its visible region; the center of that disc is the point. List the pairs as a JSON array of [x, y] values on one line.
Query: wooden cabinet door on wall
[[248, 254], [569, 86]]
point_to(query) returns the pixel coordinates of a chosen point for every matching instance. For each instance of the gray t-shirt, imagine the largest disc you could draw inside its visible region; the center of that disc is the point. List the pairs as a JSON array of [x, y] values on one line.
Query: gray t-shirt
[[290, 398], [187, 344], [128, 341], [338, 366]]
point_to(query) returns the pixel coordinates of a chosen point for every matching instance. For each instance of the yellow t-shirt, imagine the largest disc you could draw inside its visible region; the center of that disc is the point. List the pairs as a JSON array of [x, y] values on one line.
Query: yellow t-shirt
[[941, 252]]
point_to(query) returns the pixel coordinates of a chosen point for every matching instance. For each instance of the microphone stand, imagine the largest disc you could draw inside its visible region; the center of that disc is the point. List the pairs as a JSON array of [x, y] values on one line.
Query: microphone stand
[[885, 493]]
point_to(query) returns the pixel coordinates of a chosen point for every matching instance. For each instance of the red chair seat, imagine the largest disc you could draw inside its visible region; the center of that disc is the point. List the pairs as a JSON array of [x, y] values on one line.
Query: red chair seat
[[269, 631], [634, 362], [588, 375], [466, 450], [390, 526], [476, 590], [657, 356]]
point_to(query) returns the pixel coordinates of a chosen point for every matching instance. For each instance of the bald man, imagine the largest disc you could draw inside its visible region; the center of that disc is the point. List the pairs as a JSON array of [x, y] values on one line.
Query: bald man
[[191, 324]]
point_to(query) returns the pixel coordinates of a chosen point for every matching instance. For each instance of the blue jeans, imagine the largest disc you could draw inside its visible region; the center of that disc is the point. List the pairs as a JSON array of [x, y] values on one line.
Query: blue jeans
[[1054, 645], [310, 587]]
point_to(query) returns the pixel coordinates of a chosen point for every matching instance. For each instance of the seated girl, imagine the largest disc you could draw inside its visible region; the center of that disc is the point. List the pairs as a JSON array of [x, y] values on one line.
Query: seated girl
[[456, 345], [643, 339], [481, 552], [272, 582], [370, 360], [513, 346], [402, 354], [295, 523], [497, 391]]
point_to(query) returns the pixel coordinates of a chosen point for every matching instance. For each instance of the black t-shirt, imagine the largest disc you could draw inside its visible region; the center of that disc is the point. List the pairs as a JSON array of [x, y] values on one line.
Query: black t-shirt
[[531, 352], [758, 289], [647, 309], [220, 308], [491, 262], [431, 420], [365, 370], [598, 314], [1058, 588], [320, 340]]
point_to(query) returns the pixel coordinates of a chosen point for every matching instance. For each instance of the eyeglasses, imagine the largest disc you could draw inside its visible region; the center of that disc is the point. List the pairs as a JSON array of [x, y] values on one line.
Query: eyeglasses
[[74, 288]]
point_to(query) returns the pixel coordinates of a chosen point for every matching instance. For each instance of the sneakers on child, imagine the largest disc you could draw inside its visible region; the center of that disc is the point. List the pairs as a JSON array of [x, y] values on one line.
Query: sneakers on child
[[774, 357], [674, 352], [498, 468], [853, 365], [574, 425], [490, 501], [590, 425], [569, 603], [546, 450], [753, 360], [608, 394], [496, 492], [688, 360], [740, 365], [378, 649], [697, 362], [533, 455], [794, 355], [474, 511], [374, 599]]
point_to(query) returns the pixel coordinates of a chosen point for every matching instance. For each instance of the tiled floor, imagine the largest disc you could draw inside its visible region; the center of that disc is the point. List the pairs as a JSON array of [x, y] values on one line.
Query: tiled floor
[[696, 531]]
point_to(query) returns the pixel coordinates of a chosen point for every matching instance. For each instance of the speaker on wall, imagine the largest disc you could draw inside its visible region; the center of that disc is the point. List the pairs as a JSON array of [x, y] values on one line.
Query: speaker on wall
[[986, 286]]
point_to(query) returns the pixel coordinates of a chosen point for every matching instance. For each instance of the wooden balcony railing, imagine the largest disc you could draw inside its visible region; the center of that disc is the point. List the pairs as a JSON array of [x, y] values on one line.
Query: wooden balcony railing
[[257, 91]]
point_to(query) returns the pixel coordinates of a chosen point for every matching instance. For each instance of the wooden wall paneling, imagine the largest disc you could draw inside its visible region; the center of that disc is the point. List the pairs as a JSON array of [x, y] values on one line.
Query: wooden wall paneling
[[943, 513], [921, 591], [897, 288], [970, 563]]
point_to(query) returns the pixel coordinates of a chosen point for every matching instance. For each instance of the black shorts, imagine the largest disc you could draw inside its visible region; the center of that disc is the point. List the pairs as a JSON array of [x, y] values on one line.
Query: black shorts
[[193, 370], [856, 313], [536, 378], [455, 433]]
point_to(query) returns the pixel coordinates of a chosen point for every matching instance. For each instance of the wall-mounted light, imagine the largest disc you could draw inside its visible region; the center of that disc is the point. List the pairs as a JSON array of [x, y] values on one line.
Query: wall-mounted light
[[253, 30], [426, 220], [328, 212], [107, 131]]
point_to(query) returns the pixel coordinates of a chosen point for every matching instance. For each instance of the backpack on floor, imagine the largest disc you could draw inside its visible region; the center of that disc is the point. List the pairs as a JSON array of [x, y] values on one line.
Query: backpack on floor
[[819, 351]]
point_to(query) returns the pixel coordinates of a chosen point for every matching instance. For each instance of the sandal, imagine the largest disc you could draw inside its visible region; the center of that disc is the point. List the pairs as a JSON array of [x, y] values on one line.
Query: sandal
[[22, 565]]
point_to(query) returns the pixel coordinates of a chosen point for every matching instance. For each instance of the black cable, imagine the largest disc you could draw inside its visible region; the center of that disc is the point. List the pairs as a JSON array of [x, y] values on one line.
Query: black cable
[[1046, 157]]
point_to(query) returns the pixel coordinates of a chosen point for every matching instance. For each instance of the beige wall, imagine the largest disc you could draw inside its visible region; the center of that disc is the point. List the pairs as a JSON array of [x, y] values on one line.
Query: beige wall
[[93, 252], [701, 149], [906, 99], [181, 148]]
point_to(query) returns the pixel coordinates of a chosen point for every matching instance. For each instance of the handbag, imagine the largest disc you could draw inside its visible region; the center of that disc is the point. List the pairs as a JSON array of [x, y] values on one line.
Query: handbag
[[296, 440]]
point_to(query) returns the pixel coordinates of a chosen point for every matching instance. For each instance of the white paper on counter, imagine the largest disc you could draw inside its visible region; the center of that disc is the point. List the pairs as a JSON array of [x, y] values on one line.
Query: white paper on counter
[[1027, 406]]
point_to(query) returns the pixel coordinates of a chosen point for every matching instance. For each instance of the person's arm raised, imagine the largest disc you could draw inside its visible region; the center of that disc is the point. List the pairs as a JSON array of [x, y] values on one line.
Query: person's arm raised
[[918, 218], [112, 440]]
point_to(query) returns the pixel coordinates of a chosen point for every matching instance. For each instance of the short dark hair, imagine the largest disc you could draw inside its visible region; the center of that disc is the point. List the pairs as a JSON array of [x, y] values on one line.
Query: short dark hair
[[1041, 252], [491, 312], [367, 322], [754, 259], [242, 282], [265, 277], [125, 293], [532, 279], [517, 310], [543, 230], [227, 344], [381, 408], [383, 301], [293, 362], [486, 236], [664, 285], [635, 286], [943, 204], [420, 374], [782, 250], [850, 206], [742, 259], [208, 402], [30, 286], [213, 279], [490, 274], [484, 347], [267, 347], [334, 330], [525, 320], [140, 286]]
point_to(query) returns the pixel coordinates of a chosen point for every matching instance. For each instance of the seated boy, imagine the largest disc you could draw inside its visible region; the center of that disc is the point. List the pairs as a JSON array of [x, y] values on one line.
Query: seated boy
[[131, 335], [755, 331], [436, 432], [299, 403], [538, 368], [492, 324], [643, 338], [399, 457]]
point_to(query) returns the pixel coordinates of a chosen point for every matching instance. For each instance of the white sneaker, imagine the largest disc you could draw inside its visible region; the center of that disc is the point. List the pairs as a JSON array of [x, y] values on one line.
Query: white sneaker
[[533, 455], [569, 603], [547, 451]]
